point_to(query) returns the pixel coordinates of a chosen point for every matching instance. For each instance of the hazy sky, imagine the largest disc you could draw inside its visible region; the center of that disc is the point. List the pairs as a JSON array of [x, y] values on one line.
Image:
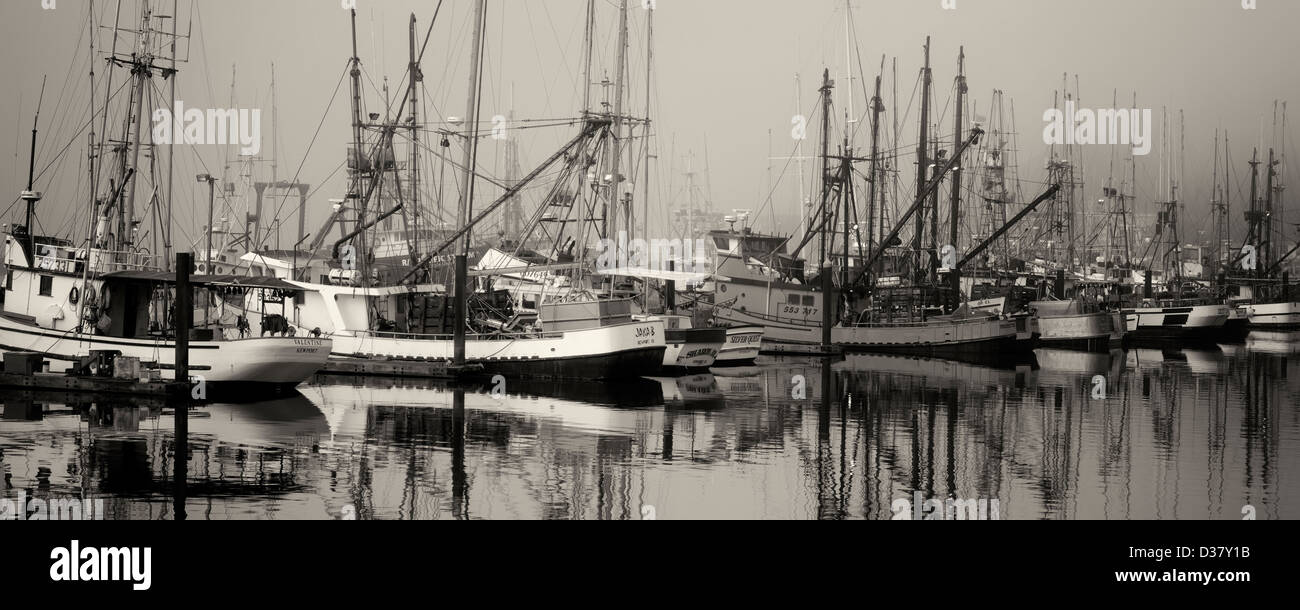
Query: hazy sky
[[724, 74]]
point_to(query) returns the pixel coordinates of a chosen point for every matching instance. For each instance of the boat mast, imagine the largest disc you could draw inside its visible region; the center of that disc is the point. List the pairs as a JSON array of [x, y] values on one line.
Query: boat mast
[[645, 178], [1266, 233], [1254, 216], [142, 65], [471, 160], [30, 196], [824, 220], [171, 148], [874, 186], [958, 129], [922, 162], [359, 157], [416, 77], [616, 206]]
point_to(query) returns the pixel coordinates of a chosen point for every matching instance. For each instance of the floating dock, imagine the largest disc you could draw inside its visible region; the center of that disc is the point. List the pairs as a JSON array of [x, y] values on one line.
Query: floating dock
[[50, 382]]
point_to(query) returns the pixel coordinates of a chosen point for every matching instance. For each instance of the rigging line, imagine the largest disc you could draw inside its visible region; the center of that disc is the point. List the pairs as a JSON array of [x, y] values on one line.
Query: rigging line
[[58, 155]]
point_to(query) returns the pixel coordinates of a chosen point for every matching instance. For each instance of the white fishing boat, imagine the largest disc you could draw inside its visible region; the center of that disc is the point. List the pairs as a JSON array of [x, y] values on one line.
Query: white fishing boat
[[616, 347], [1166, 319], [743, 346], [1070, 325], [689, 348], [67, 307], [938, 336]]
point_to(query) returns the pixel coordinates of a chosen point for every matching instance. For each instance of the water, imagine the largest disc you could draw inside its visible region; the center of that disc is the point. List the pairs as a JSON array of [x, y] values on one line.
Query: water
[[1192, 434]]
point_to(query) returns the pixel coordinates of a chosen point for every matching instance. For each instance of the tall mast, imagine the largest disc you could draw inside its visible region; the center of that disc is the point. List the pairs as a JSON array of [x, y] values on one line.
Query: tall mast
[[1254, 214], [1266, 240], [957, 134], [587, 42], [874, 187], [359, 156], [826, 268], [649, 64], [615, 203], [143, 63], [922, 159], [471, 160], [30, 196], [171, 148], [416, 77], [1227, 192]]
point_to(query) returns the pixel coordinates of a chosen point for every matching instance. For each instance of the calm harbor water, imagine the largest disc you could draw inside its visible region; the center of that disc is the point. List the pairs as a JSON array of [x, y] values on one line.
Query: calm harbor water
[[1142, 434]]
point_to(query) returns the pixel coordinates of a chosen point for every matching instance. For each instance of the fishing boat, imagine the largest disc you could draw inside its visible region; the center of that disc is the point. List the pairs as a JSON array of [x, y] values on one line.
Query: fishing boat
[[70, 304], [84, 302], [418, 326], [1175, 319], [743, 346], [1078, 323]]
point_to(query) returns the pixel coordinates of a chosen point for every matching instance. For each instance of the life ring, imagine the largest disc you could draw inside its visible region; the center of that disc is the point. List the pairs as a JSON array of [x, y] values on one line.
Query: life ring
[[74, 295]]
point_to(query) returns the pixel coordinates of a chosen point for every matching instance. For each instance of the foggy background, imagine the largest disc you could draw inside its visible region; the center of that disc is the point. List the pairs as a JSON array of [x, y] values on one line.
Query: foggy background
[[723, 92]]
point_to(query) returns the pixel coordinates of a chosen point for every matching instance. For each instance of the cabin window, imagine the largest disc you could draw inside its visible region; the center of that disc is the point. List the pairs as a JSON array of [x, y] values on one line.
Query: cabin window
[[809, 301], [47, 286], [720, 243], [9, 280], [794, 299]]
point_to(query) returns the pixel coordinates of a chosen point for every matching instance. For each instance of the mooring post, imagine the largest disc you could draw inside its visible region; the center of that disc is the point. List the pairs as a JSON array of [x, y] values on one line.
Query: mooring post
[[670, 292], [458, 333], [828, 301], [184, 313]]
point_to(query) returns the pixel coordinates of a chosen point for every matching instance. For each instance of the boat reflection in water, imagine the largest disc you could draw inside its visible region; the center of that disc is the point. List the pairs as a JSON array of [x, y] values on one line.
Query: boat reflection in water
[[1142, 434]]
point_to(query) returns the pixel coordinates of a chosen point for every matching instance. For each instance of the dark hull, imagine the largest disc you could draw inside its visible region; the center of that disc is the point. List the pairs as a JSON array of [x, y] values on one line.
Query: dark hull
[[732, 364], [1160, 337], [1099, 345], [989, 347], [630, 364]]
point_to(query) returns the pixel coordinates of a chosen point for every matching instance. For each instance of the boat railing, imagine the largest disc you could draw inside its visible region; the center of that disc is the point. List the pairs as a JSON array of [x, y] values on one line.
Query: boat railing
[[925, 324], [468, 336]]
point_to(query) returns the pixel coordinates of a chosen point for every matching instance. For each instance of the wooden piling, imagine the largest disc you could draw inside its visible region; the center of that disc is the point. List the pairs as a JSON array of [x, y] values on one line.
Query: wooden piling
[[184, 313]]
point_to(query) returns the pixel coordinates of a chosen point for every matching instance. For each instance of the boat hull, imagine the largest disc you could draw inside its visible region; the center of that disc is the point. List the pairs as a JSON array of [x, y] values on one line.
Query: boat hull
[[1191, 322], [610, 352], [694, 348], [273, 361], [1088, 332], [780, 336], [936, 338], [1275, 316], [744, 345]]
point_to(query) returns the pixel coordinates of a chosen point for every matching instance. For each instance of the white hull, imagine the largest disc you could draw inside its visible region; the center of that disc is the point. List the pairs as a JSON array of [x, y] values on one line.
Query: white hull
[[777, 333], [596, 353], [1165, 321], [690, 355], [744, 343], [274, 361], [1095, 330], [1275, 316], [973, 334]]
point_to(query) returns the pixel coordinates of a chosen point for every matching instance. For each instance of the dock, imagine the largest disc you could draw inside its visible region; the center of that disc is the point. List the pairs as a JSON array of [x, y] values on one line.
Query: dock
[[50, 382]]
